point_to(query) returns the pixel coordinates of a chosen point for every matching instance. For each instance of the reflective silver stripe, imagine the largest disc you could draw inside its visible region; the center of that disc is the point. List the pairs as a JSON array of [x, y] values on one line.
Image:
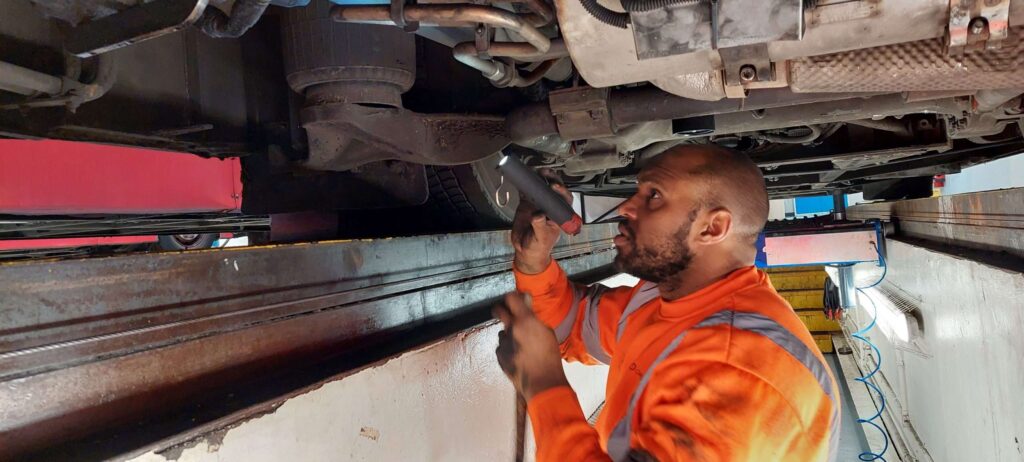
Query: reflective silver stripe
[[591, 331], [618, 441], [648, 291], [564, 328], [785, 339], [833, 439], [780, 336], [719, 318]]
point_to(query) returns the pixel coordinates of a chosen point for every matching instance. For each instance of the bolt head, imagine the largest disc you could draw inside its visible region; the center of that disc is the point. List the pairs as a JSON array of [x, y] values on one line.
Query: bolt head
[[748, 73], [977, 26]]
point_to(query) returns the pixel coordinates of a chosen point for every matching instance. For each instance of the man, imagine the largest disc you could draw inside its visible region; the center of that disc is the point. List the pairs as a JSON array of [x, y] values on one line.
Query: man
[[707, 361]]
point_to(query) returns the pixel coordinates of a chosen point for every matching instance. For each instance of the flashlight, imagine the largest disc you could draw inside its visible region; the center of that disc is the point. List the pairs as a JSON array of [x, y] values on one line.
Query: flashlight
[[540, 193]]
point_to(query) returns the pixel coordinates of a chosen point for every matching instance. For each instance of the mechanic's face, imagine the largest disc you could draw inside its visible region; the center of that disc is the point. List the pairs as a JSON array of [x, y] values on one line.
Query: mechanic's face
[[653, 243]]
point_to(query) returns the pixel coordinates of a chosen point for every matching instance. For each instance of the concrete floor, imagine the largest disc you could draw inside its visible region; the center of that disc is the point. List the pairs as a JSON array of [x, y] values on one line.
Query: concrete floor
[[851, 436]]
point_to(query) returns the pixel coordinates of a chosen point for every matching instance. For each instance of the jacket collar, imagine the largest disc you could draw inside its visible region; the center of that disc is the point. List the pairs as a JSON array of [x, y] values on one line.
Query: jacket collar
[[714, 296]]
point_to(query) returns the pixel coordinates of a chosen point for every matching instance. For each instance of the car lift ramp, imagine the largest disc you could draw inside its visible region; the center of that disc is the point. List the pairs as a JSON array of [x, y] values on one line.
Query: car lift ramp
[[103, 357], [990, 221]]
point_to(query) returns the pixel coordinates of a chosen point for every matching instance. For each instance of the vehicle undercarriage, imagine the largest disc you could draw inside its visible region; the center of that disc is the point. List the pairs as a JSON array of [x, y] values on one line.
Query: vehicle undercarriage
[[404, 105]]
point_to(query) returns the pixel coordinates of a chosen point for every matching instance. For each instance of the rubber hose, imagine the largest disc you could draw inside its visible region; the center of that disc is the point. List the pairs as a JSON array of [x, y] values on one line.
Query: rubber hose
[[609, 17], [648, 5], [244, 14]]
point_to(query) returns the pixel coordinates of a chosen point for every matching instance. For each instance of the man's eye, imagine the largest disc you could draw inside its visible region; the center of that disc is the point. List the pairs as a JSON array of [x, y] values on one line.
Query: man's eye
[[655, 194]]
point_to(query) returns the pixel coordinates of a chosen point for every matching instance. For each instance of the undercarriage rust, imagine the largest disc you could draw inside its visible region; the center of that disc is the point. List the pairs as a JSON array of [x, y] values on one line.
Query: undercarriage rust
[[388, 83], [344, 136]]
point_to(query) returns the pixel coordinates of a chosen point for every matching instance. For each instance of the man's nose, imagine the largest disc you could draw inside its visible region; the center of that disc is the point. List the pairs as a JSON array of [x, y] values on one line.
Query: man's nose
[[627, 209]]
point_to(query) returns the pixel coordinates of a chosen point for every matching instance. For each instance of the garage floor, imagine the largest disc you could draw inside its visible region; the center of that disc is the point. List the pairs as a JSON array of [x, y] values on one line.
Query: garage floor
[[851, 437]]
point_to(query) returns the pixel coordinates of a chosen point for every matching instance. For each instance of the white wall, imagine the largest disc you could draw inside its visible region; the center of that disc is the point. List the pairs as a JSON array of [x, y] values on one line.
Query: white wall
[[963, 396], [598, 205], [1004, 173], [448, 401]]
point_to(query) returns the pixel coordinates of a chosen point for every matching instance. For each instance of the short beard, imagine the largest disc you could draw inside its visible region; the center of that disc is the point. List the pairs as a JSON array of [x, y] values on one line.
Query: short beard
[[662, 262]]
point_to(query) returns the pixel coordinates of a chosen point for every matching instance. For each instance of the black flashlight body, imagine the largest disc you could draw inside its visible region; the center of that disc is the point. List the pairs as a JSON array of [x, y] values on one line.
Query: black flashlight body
[[531, 185]]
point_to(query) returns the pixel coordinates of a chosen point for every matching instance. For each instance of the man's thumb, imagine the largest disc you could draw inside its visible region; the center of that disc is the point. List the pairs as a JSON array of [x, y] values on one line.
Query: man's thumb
[[518, 304], [540, 225]]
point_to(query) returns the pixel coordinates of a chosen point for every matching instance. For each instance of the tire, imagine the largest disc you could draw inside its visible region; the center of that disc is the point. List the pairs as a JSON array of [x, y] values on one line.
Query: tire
[[904, 188], [187, 241], [465, 194], [460, 199]]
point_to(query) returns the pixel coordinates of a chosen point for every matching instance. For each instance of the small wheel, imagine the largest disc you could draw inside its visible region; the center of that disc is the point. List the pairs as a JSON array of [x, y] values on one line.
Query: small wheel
[[187, 241]]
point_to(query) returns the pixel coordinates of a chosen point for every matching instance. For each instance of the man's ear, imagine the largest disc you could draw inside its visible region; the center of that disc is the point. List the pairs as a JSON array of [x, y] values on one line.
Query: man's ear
[[717, 227]]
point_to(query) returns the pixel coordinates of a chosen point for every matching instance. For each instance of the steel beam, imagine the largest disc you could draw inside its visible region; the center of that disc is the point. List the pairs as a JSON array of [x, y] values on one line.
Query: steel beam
[[22, 227], [90, 348], [989, 220]]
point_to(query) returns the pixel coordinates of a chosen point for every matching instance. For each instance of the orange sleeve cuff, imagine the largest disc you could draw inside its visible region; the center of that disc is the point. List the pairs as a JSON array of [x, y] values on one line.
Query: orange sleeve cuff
[[542, 282], [553, 409]]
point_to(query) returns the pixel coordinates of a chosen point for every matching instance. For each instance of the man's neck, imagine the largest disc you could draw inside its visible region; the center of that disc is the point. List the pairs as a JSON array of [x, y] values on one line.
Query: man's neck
[[698, 275]]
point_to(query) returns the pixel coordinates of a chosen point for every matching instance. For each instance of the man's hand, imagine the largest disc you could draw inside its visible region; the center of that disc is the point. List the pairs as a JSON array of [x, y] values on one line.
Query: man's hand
[[527, 349], [534, 235]]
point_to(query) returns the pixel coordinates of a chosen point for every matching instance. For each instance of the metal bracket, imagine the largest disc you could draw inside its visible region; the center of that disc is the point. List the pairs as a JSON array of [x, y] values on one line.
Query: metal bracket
[[398, 16], [748, 67], [976, 25], [686, 27], [581, 113], [482, 39], [133, 25], [747, 64]]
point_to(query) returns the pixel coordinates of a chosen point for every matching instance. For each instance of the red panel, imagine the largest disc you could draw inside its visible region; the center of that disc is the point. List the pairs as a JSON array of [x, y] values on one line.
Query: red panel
[[62, 177], [25, 244]]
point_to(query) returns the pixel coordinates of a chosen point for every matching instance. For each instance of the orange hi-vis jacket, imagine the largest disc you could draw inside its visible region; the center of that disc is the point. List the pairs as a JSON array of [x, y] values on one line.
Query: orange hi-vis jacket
[[728, 373]]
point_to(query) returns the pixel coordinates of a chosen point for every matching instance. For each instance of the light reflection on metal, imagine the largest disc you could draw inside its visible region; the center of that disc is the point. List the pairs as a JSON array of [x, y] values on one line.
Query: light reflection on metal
[[89, 346]]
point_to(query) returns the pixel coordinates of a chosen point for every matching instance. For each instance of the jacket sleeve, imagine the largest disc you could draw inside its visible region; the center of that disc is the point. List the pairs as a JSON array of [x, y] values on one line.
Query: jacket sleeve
[[585, 318], [695, 411]]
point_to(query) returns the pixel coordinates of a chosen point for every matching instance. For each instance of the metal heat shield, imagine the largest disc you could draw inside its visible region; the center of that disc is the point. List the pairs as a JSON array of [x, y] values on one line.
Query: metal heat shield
[[696, 26]]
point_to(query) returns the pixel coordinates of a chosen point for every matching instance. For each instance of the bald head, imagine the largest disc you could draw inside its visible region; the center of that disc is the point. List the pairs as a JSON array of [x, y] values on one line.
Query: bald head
[[693, 219], [723, 178]]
